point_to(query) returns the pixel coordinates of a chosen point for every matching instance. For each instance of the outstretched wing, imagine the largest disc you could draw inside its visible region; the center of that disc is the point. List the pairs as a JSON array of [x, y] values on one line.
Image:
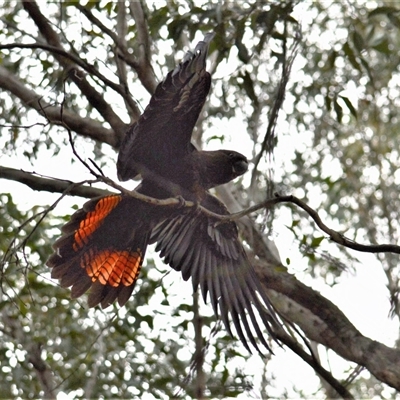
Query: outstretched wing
[[212, 255], [164, 130], [102, 249]]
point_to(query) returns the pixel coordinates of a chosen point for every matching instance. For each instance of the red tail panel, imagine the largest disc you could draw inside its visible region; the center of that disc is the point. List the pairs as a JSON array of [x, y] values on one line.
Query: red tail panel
[[112, 267], [94, 219], [102, 249]]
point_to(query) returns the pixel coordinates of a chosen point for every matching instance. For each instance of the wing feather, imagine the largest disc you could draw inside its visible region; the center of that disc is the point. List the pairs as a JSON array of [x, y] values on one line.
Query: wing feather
[[211, 254], [163, 132]]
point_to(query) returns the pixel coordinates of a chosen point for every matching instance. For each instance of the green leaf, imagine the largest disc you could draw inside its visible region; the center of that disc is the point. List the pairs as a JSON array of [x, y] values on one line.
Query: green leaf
[[382, 46], [316, 241], [348, 51], [338, 110], [382, 10], [295, 222], [243, 53], [350, 106], [358, 41], [394, 20], [220, 138], [248, 86]]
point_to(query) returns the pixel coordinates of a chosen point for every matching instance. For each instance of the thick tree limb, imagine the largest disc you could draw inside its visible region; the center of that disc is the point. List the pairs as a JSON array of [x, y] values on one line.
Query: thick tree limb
[[49, 184], [122, 30], [118, 88], [57, 115], [317, 317], [144, 68], [324, 323]]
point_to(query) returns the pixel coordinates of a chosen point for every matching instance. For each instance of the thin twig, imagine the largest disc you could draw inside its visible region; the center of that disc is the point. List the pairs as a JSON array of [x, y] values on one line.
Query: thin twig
[[287, 64]]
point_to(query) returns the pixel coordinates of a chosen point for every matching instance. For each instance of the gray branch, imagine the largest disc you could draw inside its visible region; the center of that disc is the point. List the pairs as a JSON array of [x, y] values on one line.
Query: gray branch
[[54, 114], [326, 324], [143, 68], [145, 75], [73, 72], [49, 184]]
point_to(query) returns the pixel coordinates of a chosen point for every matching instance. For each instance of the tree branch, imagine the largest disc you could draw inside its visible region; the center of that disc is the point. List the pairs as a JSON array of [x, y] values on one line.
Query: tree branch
[[50, 184], [94, 98], [122, 29], [320, 319], [199, 353], [291, 343], [146, 77], [324, 323], [59, 186], [143, 36], [57, 115], [335, 236], [15, 330], [144, 68], [118, 88]]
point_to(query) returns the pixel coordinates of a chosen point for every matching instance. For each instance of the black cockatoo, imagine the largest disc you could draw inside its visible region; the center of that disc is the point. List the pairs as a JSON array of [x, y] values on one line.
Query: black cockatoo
[[103, 245]]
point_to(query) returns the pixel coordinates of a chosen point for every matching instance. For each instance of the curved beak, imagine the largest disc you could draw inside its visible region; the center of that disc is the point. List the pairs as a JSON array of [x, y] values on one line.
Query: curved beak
[[240, 167]]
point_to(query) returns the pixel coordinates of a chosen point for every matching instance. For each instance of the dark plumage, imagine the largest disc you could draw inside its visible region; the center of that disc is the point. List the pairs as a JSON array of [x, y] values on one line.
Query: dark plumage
[[103, 246]]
